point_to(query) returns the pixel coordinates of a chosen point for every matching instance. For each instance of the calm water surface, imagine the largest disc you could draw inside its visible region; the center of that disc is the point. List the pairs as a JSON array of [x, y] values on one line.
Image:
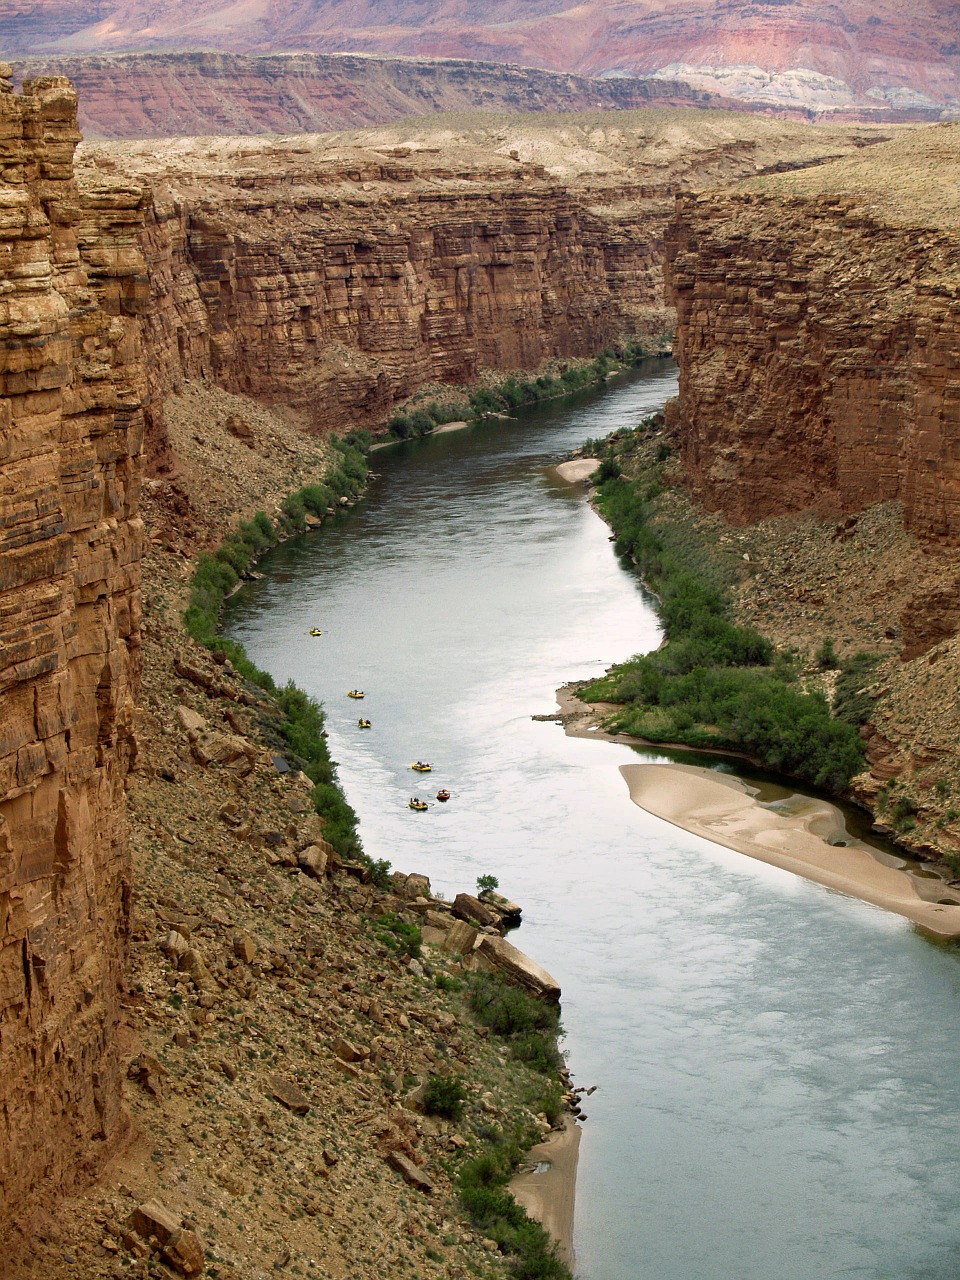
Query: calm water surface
[[778, 1067]]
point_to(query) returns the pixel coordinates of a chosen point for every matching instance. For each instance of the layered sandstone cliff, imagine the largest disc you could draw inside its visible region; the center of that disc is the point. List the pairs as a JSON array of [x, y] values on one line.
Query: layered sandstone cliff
[[70, 432], [819, 412], [337, 275], [817, 332], [804, 54], [180, 94]]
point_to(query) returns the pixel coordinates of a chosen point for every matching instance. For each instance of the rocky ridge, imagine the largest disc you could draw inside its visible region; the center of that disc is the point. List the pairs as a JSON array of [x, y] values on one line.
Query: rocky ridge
[[804, 54], [145, 95]]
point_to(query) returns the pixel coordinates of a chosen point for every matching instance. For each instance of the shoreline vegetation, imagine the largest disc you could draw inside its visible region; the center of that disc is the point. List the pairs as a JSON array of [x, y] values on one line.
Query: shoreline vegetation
[[716, 687], [538, 1243], [713, 684], [428, 415]]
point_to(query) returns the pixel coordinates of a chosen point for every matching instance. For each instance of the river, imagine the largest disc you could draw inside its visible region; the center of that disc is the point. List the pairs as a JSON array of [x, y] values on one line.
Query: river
[[778, 1066]]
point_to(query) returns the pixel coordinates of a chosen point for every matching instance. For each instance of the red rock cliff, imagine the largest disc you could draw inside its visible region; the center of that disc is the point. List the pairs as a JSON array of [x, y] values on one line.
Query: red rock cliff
[[342, 296], [818, 337], [337, 275], [70, 431]]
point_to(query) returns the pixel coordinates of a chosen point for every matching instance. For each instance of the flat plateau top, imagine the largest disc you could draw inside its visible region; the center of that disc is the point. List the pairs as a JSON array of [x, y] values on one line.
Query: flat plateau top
[[911, 180]]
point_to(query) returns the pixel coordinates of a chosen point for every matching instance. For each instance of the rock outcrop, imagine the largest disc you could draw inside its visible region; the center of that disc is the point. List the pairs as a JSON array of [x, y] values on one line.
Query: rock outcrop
[[818, 330], [336, 275], [70, 540]]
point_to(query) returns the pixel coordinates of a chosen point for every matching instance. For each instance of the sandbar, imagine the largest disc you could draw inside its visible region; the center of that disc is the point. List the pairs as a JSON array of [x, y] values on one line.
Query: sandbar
[[547, 1182], [577, 469], [726, 810]]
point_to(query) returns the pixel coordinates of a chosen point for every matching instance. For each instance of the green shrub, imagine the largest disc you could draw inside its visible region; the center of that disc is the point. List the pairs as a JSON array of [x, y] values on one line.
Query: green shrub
[[826, 656], [398, 935], [483, 400], [481, 1185], [507, 1010], [712, 683], [422, 422], [444, 1096], [852, 703], [400, 426]]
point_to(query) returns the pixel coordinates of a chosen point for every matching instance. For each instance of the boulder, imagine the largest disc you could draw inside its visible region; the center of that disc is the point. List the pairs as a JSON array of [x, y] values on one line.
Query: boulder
[[348, 1052], [412, 886], [289, 1096], [182, 1249], [244, 948], [409, 1172], [313, 861], [501, 956], [225, 749], [467, 907], [461, 938]]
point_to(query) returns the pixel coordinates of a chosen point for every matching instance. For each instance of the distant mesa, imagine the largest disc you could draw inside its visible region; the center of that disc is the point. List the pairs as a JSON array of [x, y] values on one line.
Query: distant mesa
[[874, 57]]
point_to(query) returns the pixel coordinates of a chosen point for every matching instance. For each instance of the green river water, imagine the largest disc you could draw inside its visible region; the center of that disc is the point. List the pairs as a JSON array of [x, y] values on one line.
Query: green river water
[[778, 1066]]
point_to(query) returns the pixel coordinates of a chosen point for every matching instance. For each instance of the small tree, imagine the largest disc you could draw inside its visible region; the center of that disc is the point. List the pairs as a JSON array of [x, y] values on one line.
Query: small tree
[[487, 884], [826, 656]]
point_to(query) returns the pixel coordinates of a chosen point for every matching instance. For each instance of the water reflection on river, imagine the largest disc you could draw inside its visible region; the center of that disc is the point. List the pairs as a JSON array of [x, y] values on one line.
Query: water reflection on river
[[778, 1066]]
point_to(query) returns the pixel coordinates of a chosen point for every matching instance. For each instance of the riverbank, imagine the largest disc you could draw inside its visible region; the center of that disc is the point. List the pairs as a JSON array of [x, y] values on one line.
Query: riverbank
[[725, 810], [804, 839], [546, 1185], [259, 982]]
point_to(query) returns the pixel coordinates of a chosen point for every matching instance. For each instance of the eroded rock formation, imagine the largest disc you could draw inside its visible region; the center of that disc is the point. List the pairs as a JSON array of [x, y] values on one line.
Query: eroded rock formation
[[336, 275], [807, 54], [70, 433], [818, 331], [162, 95]]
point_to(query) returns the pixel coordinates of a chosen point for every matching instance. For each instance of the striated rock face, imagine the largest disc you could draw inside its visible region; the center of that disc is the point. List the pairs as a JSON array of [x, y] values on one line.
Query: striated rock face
[[340, 293], [168, 95], [818, 332], [337, 275], [808, 55], [70, 431]]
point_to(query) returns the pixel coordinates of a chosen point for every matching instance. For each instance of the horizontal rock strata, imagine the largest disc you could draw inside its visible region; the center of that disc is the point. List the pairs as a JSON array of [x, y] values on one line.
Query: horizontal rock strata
[[146, 95], [818, 335], [70, 542], [337, 275]]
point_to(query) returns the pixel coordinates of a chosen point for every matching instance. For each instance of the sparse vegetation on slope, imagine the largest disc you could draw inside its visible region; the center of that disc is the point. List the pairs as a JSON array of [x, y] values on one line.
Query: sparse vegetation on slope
[[298, 729]]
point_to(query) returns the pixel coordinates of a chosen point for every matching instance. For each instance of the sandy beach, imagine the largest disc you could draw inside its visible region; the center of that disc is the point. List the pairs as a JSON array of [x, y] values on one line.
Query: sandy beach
[[577, 470], [724, 809], [547, 1182]]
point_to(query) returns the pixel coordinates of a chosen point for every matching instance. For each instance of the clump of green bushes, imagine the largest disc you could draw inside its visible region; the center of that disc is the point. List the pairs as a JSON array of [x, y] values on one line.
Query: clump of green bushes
[[511, 393], [482, 1188], [529, 1026], [713, 683], [444, 1096], [395, 933], [297, 728]]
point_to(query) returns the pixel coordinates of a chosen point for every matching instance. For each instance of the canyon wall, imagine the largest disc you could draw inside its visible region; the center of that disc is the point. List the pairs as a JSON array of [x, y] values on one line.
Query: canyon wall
[[339, 304], [818, 335], [800, 54], [166, 95], [337, 275], [70, 430]]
